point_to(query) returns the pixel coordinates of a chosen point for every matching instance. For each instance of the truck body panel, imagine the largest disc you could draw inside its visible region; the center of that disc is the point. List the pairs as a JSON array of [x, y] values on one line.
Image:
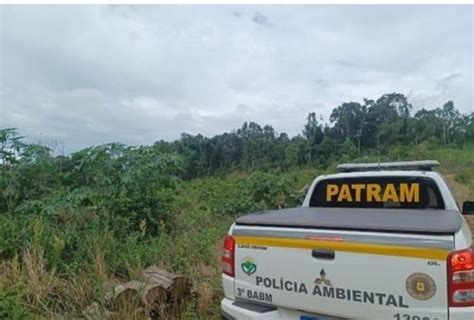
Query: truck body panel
[[290, 273], [349, 253]]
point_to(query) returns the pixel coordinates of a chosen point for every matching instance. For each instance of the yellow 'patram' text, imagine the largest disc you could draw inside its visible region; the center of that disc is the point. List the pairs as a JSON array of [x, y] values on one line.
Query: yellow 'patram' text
[[373, 192]]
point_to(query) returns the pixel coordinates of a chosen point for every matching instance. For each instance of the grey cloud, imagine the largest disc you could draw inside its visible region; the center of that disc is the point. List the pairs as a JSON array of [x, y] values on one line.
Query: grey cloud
[[237, 14], [135, 74], [322, 83], [449, 82], [260, 18]]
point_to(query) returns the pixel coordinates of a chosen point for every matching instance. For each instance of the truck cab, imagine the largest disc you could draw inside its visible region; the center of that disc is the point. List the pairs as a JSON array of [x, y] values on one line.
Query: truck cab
[[373, 241]]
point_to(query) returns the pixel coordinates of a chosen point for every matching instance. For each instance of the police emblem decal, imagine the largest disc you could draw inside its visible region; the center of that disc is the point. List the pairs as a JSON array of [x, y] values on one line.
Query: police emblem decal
[[420, 286], [248, 266]]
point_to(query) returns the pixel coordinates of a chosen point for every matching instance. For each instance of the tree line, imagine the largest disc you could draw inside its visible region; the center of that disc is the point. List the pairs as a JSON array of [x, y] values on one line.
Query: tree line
[[354, 129], [140, 180]]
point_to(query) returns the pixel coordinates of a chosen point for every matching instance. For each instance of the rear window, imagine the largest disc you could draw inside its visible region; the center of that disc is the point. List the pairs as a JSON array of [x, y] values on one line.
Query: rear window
[[378, 192]]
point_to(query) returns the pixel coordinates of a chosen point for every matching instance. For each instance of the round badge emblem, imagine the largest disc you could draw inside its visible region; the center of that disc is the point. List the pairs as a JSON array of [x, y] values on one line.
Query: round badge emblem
[[421, 286]]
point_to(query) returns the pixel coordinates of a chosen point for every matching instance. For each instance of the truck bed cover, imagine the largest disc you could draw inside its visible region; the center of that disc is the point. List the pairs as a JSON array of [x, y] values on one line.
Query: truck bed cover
[[425, 221]]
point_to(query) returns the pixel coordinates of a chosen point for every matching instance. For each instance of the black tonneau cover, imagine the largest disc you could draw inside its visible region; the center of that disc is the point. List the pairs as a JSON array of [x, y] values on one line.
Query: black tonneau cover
[[424, 221]]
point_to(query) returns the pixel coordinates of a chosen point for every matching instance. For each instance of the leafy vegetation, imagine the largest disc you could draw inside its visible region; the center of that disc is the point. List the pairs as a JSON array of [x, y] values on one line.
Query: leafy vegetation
[[70, 223]]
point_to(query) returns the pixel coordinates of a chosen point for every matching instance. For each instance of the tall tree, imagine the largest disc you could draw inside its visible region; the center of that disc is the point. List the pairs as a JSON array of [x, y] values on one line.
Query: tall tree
[[349, 121], [313, 132]]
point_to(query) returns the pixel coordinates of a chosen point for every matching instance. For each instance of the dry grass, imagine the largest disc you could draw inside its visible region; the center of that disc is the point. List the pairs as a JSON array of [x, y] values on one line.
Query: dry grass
[[40, 284], [50, 295], [100, 266], [205, 298], [44, 292], [207, 286], [462, 192]]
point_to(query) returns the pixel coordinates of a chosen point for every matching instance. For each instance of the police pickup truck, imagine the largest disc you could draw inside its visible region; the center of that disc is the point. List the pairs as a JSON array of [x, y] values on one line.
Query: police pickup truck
[[374, 241]]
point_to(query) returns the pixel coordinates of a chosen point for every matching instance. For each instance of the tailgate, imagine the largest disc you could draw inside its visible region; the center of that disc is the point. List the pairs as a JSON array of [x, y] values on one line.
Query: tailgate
[[346, 274]]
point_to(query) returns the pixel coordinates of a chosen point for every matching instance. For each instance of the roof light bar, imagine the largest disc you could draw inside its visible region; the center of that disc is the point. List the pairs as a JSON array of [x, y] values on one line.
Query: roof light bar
[[424, 165]]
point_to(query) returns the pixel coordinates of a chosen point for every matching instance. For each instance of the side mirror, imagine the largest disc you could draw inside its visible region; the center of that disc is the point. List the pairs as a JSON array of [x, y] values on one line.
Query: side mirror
[[468, 208]]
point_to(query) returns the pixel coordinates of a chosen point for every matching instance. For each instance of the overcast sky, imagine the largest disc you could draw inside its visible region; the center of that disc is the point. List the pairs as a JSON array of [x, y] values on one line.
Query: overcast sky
[[88, 75]]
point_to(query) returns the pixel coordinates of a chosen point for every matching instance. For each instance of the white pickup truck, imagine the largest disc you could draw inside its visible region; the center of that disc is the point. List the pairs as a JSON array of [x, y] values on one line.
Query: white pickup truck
[[374, 241]]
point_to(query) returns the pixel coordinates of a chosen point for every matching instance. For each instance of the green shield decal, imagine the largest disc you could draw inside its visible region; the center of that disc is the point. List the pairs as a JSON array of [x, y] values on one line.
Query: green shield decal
[[249, 267]]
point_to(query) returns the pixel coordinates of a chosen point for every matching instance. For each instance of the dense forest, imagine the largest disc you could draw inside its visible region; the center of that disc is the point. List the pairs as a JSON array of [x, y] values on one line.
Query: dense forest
[[354, 129], [105, 212]]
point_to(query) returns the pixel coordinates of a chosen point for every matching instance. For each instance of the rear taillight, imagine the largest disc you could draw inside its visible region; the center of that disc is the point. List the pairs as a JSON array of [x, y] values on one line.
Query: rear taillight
[[228, 256], [461, 278]]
